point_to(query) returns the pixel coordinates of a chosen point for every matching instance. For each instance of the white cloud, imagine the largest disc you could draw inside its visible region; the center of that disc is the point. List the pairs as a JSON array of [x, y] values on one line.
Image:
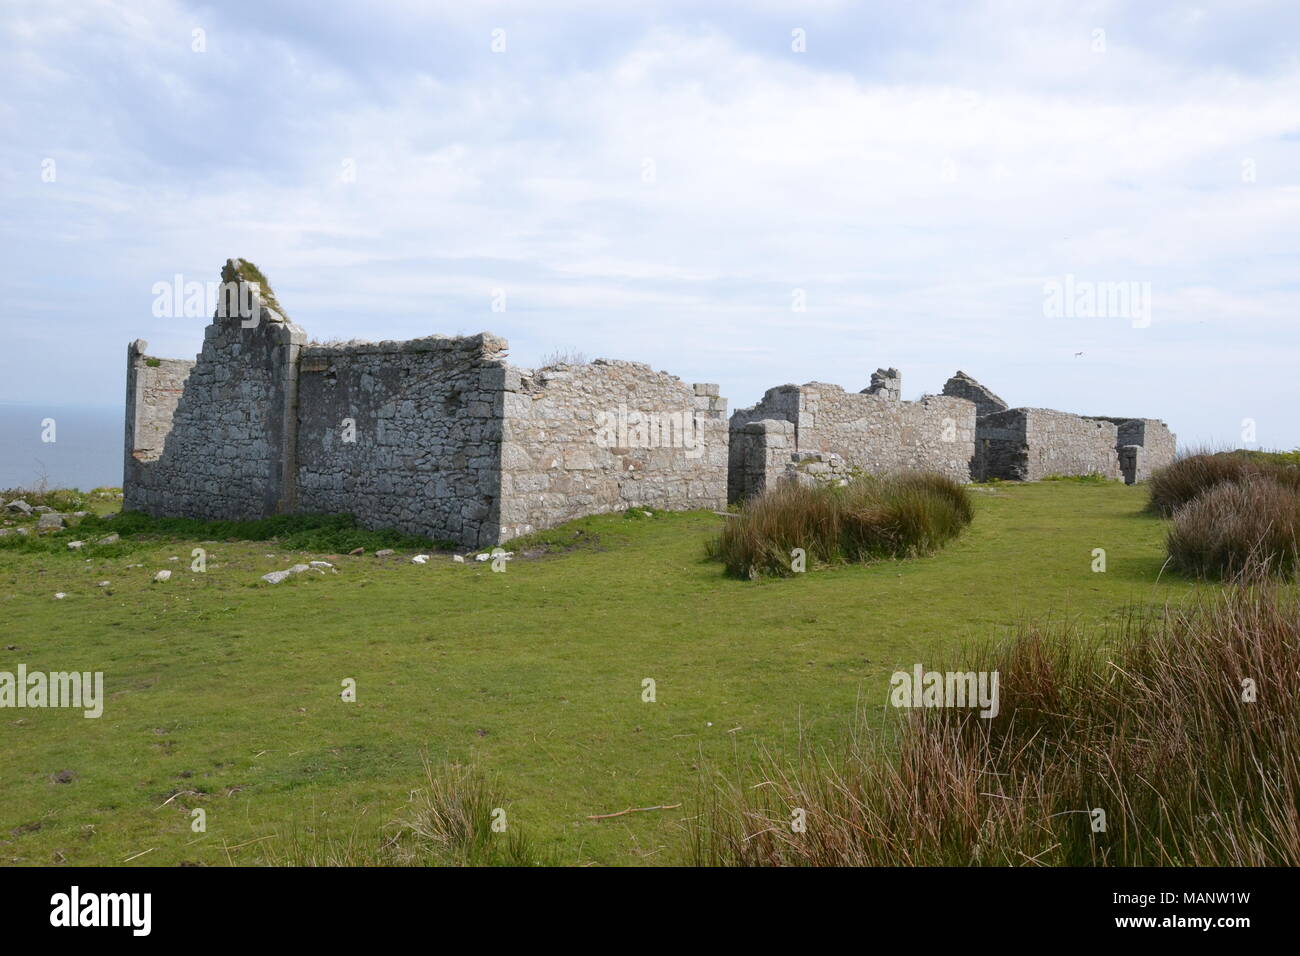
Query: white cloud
[[920, 198]]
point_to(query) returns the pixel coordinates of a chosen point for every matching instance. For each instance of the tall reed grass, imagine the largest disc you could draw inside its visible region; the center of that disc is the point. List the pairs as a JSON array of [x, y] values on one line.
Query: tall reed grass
[[895, 516], [1197, 471], [1250, 524], [1182, 730]]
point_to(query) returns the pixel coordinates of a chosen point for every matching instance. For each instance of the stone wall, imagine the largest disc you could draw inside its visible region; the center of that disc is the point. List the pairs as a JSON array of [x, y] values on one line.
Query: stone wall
[[229, 450], [607, 436], [441, 437], [1029, 444], [404, 435], [871, 431], [759, 453], [436, 436], [1159, 446], [962, 385], [153, 390]]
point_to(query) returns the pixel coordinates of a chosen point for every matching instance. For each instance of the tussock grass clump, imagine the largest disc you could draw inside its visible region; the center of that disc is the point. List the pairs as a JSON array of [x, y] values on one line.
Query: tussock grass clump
[[1251, 524], [1177, 484], [448, 823], [896, 516], [1182, 731]]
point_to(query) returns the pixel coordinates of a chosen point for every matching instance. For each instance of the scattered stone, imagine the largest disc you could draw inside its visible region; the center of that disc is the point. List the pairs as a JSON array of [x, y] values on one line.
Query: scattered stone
[[173, 558], [59, 596], [63, 776], [80, 514], [18, 506], [458, 558], [275, 577], [49, 522], [43, 509], [384, 553], [162, 575], [76, 545], [110, 538], [482, 557], [357, 551], [102, 584], [23, 531], [321, 564], [420, 559]]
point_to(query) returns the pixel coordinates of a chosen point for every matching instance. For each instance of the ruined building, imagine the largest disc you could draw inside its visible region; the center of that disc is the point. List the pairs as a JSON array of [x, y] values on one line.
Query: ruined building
[[442, 437], [1026, 444], [436, 436]]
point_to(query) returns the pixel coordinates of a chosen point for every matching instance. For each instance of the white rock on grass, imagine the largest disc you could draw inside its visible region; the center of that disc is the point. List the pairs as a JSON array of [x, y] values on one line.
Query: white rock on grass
[[458, 558], [275, 577], [110, 538], [482, 557], [384, 553], [420, 559], [59, 596], [321, 564], [162, 575], [76, 545], [18, 506], [102, 584]]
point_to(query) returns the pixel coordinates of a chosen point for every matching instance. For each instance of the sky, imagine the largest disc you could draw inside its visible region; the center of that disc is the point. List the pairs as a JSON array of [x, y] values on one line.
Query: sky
[[749, 194]]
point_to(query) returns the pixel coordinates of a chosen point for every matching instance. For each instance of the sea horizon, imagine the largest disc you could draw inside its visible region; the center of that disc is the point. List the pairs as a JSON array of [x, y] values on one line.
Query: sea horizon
[[60, 446]]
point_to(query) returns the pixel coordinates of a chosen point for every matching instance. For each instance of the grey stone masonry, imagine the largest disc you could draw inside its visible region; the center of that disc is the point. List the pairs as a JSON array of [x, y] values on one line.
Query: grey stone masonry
[[887, 383], [440, 436], [226, 448], [437, 436], [1159, 446], [404, 434], [1028, 444], [871, 431], [607, 436], [759, 453], [962, 385]]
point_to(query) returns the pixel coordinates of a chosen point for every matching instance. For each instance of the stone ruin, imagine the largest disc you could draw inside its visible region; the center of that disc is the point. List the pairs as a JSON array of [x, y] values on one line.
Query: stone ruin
[[437, 436], [442, 437], [1028, 444]]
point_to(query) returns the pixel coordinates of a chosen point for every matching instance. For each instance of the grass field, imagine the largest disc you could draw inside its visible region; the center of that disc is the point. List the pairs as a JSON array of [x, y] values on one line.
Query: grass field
[[227, 691]]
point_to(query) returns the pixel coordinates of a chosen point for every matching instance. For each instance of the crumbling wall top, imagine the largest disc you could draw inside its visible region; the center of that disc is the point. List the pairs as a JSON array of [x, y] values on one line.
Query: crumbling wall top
[[962, 385]]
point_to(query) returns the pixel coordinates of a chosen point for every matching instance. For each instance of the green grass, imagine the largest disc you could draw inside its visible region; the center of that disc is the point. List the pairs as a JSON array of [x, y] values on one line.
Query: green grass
[[867, 518], [220, 684]]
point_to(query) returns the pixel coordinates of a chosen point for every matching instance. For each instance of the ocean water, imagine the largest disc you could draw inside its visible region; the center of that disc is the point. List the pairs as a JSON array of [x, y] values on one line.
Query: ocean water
[[86, 451]]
